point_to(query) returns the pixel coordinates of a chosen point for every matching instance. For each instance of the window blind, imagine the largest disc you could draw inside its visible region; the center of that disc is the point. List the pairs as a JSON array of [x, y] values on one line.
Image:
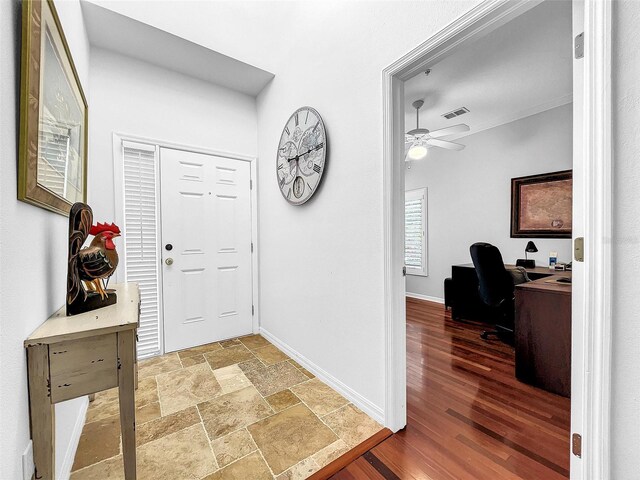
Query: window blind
[[141, 239], [415, 232]]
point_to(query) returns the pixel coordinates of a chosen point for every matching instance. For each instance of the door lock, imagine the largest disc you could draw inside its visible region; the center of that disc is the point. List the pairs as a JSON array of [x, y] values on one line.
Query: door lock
[[169, 261]]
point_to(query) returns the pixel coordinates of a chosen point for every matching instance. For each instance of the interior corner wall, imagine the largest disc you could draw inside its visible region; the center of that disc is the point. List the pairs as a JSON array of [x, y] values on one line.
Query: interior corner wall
[[33, 254], [625, 388], [469, 192], [136, 98]]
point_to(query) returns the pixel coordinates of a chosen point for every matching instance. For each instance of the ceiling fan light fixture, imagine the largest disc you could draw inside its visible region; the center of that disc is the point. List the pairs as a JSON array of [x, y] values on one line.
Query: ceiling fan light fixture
[[418, 151]]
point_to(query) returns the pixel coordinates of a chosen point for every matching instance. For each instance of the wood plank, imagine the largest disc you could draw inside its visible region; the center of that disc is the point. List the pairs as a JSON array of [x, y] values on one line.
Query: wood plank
[[42, 412], [468, 416], [121, 316]]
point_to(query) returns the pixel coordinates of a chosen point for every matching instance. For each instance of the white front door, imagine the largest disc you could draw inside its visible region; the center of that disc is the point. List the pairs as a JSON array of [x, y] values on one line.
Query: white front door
[[206, 248]]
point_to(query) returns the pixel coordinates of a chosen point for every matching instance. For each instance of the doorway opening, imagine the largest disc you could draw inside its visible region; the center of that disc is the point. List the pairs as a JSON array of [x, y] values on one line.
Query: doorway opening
[[591, 165]]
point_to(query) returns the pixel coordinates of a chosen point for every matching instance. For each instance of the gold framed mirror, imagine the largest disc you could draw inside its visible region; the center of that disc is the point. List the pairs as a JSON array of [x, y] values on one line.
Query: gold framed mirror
[[52, 162]]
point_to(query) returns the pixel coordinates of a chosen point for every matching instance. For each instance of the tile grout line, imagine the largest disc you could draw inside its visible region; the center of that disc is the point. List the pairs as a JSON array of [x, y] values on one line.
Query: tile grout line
[[208, 440]]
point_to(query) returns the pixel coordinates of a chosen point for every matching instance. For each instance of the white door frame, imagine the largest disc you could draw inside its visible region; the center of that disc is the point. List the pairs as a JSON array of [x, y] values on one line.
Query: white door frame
[[118, 174], [592, 414]]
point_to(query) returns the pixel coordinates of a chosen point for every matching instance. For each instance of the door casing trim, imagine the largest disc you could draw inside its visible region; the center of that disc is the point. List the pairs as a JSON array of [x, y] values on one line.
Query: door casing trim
[[593, 417]]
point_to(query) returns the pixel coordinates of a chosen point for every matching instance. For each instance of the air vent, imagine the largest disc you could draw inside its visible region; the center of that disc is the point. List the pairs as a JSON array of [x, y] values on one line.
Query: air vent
[[456, 113]]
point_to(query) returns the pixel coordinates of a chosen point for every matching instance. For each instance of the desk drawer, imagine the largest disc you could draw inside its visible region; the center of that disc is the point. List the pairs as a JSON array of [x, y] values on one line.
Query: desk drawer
[[83, 366]]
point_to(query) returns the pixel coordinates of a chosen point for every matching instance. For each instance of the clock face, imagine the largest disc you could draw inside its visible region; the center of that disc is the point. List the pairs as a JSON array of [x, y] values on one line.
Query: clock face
[[302, 153]]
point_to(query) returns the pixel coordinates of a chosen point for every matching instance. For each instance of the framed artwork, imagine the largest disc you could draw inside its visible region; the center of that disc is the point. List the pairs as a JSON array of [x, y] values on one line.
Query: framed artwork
[[541, 205], [52, 162]]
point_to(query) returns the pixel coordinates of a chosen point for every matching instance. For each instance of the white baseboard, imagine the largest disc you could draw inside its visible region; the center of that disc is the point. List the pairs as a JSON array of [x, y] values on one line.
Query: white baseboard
[[65, 469], [354, 397], [429, 298]]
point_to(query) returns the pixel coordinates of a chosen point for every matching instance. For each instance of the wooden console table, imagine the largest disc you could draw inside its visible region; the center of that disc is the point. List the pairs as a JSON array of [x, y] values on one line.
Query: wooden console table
[[69, 357]]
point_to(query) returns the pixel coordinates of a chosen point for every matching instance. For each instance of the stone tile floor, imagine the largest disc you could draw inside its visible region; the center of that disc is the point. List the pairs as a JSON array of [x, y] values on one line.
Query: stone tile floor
[[238, 409]]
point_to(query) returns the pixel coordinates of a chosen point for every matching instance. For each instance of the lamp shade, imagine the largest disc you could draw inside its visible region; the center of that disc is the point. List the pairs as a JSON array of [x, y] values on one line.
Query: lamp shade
[[531, 247]]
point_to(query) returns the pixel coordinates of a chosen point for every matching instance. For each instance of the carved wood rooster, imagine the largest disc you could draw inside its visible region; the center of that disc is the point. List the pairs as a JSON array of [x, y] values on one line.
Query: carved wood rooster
[[91, 266]]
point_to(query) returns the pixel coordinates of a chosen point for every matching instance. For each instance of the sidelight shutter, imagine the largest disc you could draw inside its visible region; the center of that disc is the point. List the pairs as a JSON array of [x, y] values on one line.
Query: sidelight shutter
[[142, 256], [415, 238]]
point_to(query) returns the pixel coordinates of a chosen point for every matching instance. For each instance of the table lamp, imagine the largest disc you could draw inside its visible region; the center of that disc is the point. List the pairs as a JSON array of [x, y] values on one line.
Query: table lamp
[[525, 262]]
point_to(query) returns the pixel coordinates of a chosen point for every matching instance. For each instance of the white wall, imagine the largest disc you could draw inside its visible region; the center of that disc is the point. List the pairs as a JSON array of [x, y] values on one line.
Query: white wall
[[33, 253], [137, 98], [625, 395], [469, 192]]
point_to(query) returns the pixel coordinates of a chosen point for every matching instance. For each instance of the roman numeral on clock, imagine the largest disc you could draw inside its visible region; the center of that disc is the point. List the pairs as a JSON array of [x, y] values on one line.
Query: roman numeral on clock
[[289, 194], [316, 168], [282, 180], [280, 166], [297, 121]]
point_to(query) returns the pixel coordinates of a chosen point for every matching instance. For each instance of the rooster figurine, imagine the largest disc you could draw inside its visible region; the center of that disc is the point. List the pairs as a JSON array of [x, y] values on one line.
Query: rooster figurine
[[89, 268]]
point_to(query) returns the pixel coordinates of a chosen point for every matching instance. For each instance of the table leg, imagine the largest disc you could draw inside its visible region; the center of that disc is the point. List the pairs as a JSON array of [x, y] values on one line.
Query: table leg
[[42, 412], [126, 341]]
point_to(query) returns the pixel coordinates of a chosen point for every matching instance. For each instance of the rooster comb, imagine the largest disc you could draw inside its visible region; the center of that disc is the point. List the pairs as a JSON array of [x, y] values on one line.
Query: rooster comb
[[104, 227]]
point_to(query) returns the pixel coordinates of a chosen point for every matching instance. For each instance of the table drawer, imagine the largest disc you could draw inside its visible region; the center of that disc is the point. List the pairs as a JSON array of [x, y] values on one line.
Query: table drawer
[[83, 366]]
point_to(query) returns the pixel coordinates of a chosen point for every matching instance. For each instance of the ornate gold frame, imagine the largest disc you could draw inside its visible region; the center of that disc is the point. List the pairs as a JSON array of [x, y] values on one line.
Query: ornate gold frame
[[29, 190]]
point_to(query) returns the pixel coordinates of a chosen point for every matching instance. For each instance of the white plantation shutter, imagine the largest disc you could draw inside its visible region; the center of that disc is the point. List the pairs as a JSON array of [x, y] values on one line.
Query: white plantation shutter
[[415, 232], [142, 254]]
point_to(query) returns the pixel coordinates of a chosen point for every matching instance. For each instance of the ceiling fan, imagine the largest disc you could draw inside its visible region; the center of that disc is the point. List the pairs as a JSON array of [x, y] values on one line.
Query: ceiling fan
[[418, 140]]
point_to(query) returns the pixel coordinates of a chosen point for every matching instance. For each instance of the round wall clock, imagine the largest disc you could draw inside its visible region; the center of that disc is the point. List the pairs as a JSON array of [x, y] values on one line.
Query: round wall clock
[[302, 153]]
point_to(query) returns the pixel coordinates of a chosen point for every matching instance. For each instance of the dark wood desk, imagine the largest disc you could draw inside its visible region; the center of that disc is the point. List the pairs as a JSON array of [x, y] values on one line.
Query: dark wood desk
[[466, 303], [543, 334]]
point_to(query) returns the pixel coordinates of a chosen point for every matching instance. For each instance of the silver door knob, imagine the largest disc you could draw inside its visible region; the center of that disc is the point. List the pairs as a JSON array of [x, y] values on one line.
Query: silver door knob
[[169, 261]]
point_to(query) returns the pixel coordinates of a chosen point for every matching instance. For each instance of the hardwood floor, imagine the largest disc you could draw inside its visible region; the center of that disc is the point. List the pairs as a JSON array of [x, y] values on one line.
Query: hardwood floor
[[468, 416]]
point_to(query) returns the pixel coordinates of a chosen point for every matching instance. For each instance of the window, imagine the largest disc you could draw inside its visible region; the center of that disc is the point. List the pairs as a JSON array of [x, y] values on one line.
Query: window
[[142, 256], [415, 232]]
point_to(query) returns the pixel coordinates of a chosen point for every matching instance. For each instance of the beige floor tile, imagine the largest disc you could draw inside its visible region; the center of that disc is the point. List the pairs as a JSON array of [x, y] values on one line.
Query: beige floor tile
[[231, 447], [300, 471], [156, 365], [192, 360], [199, 350], [250, 364], [147, 413], [352, 425], [254, 341], [163, 426], [111, 469], [233, 411], [275, 378], [99, 440], [281, 400], [329, 453], [106, 404], [231, 378], [182, 455], [319, 397], [290, 436], [228, 356], [186, 387], [230, 343], [251, 467], [270, 355], [301, 368]]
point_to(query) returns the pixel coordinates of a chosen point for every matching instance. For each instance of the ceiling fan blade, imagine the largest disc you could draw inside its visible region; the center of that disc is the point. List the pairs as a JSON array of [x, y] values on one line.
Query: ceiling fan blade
[[443, 132], [434, 142]]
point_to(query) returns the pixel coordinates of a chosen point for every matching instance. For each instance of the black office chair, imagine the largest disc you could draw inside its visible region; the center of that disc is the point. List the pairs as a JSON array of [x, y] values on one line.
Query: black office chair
[[497, 287]]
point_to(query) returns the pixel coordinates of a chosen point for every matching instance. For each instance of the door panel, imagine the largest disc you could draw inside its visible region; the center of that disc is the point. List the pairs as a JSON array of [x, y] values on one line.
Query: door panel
[[206, 217]]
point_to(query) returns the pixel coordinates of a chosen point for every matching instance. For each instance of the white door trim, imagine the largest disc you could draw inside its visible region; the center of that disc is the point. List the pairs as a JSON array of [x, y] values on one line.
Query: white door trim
[[117, 140], [490, 14]]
